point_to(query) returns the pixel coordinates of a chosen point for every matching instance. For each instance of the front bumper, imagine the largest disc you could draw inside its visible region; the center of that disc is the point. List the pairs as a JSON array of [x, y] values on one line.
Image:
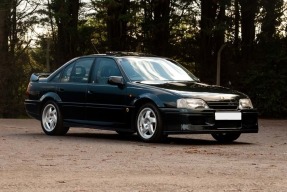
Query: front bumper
[[193, 121]]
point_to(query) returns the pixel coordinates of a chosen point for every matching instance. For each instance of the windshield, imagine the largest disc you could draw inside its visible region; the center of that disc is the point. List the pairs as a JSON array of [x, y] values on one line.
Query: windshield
[[154, 69]]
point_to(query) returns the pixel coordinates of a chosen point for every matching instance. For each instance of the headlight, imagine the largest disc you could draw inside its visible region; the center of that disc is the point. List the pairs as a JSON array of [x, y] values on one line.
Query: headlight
[[191, 104], [245, 104]]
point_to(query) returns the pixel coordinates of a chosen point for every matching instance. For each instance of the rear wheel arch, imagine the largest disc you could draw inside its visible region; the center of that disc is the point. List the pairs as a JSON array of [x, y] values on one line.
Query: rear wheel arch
[[50, 96]]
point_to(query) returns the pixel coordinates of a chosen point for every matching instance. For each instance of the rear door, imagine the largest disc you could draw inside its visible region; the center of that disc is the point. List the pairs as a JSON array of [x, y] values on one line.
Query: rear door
[[72, 89], [106, 102]]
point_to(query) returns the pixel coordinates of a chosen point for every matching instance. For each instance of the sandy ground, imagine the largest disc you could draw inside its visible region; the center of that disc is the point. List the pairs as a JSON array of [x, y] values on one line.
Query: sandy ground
[[94, 160]]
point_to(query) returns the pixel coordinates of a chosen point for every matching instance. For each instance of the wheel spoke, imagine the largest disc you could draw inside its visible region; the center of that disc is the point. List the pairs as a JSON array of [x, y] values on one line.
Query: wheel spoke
[[145, 131], [53, 123], [142, 121], [54, 112], [152, 119], [151, 129], [50, 111], [148, 114]]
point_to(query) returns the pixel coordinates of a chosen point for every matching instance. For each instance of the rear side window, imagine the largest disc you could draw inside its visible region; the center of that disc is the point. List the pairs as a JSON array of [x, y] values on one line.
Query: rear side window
[[67, 73], [78, 71], [56, 78]]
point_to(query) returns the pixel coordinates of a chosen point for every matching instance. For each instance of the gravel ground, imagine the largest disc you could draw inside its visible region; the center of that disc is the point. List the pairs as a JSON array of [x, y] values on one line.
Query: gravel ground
[[94, 160]]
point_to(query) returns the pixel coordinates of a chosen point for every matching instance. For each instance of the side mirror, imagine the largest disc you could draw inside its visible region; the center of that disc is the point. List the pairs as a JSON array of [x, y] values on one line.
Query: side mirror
[[116, 80]]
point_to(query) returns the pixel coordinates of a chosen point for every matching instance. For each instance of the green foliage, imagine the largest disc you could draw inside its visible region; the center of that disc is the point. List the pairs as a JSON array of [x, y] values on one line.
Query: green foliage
[[172, 28], [267, 87]]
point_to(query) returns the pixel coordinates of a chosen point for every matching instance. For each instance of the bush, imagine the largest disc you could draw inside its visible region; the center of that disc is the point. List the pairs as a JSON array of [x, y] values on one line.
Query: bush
[[267, 87]]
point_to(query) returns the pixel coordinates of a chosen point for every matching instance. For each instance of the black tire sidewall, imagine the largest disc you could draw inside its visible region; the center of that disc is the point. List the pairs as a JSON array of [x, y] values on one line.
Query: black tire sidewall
[[226, 138]]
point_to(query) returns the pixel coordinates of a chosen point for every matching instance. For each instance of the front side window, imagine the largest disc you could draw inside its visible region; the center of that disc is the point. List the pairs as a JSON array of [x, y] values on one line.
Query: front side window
[[105, 67]]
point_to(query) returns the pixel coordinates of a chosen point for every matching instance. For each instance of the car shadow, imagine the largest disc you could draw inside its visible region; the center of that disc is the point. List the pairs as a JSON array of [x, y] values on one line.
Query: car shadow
[[170, 140], [114, 137]]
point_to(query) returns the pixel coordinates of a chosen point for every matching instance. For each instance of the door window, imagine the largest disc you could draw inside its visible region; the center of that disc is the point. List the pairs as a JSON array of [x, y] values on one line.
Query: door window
[[105, 67]]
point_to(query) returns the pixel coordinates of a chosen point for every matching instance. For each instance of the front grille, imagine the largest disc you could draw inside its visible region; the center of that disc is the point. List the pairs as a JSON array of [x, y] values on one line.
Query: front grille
[[222, 105], [228, 124]]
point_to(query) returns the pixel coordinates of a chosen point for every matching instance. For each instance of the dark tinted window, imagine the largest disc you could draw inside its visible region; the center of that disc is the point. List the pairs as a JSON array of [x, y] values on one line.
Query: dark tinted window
[[105, 67], [67, 73], [78, 71], [81, 71], [56, 78]]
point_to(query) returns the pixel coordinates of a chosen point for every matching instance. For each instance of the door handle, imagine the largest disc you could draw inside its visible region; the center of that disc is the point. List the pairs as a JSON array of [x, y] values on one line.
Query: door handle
[[91, 92], [61, 89]]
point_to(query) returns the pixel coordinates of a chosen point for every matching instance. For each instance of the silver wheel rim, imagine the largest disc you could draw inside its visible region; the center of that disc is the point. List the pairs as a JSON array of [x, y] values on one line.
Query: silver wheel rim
[[146, 123], [49, 117]]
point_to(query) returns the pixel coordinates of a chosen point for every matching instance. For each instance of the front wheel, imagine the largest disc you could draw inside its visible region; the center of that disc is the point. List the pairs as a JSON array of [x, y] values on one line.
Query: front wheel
[[226, 137], [52, 123], [149, 123]]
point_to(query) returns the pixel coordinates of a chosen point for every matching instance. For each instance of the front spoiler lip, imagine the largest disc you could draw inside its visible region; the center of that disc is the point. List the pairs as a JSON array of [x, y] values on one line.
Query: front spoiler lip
[[186, 122], [212, 131]]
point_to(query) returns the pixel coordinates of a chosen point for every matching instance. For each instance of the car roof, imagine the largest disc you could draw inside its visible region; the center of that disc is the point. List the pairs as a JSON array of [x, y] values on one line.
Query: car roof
[[124, 53]]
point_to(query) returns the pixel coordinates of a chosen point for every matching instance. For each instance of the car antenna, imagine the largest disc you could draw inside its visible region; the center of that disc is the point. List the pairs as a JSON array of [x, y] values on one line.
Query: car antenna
[[95, 49]]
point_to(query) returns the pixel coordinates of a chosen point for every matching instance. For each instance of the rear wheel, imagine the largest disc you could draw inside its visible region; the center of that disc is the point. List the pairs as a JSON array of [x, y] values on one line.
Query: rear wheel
[[149, 123], [51, 121], [226, 137]]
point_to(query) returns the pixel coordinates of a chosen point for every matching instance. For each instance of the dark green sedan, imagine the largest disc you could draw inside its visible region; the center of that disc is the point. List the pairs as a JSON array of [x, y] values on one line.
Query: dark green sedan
[[133, 93]]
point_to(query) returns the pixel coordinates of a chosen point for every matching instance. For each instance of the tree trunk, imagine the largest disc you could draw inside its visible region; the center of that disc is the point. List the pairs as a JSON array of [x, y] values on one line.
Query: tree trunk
[[248, 12], [236, 24], [117, 11], [155, 26], [207, 63], [271, 20], [160, 30], [66, 14], [4, 55]]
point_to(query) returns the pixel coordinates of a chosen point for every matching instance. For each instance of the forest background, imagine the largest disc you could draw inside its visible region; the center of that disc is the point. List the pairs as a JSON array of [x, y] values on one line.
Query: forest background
[[249, 35]]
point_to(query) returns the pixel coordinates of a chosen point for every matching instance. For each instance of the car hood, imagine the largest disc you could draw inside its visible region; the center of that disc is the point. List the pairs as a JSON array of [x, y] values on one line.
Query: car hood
[[197, 90]]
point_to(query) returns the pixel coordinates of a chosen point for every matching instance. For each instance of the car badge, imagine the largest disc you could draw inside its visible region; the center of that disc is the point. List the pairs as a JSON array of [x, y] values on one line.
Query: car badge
[[222, 98]]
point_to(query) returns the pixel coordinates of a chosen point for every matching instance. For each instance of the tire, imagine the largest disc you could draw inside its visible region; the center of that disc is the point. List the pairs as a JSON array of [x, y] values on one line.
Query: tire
[[226, 137], [51, 121], [149, 124]]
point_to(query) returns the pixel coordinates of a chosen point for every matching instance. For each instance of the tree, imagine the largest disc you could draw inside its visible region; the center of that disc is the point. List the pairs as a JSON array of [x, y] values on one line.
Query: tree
[[116, 20], [272, 11], [155, 25], [208, 13], [160, 29], [4, 62], [248, 13], [66, 14]]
